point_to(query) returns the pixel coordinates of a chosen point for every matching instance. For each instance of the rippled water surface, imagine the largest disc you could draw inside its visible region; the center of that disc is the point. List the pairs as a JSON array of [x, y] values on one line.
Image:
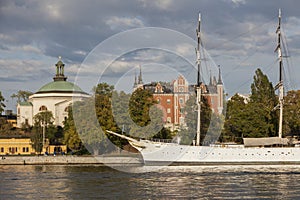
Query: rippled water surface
[[176, 182]]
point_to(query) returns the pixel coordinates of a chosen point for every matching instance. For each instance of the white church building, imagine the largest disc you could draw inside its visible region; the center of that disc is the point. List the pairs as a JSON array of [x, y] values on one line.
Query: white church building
[[55, 96]]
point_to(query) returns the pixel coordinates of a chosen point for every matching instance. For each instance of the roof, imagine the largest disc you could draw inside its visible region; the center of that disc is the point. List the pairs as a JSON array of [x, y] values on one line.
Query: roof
[[60, 86]]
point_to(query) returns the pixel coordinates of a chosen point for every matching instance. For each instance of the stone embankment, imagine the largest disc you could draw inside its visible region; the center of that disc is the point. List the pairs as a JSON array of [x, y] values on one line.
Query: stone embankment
[[70, 160]]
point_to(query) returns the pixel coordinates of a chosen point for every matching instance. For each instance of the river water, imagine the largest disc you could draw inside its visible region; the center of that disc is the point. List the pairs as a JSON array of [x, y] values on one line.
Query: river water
[[173, 182]]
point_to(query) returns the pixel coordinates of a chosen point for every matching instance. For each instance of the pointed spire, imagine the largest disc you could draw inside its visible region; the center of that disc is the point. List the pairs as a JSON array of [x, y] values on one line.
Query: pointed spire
[[135, 80], [140, 80], [220, 79], [210, 78]]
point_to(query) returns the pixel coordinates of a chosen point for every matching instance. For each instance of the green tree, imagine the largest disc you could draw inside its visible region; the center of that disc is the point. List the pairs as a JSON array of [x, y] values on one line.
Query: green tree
[[256, 118], [188, 135], [91, 129], [21, 95], [147, 117], [291, 113], [2, 105], [103, 105], [41, 120], [71, 137], [262, 103], [139, 105], [233, 126]]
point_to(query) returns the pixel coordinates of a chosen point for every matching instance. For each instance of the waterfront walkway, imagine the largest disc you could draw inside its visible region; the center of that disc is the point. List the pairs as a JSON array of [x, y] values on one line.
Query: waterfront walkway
[[70, 160]]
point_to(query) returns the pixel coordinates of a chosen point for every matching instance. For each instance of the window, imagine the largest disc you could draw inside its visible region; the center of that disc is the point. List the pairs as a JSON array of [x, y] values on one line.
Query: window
[[181, 111], [25, 149], [2, 149], [181, 100], [168, 110], [168, 119], [158, 100], [43, 108], [168, 101]]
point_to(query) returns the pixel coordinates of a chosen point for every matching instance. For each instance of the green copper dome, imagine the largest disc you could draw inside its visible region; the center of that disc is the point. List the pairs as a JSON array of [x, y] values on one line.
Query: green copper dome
[[60, 86]]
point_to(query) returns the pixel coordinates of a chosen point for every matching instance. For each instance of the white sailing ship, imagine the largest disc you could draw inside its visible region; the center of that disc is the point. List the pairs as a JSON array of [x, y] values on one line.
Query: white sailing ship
[[272, 150]]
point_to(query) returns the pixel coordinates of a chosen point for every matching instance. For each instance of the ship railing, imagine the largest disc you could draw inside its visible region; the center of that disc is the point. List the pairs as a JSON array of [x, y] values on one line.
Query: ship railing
[[163, 140]]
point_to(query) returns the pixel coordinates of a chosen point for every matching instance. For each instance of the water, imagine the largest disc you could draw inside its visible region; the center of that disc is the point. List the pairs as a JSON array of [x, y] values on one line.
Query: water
[[176, 182]]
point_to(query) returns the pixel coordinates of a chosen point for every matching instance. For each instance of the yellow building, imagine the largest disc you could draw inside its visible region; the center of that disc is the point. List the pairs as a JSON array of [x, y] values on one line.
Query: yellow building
[[23, 146], [16, 146]]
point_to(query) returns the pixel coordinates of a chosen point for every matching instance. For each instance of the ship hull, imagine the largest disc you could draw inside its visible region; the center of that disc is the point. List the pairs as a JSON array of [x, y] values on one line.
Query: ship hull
[[175, 154]]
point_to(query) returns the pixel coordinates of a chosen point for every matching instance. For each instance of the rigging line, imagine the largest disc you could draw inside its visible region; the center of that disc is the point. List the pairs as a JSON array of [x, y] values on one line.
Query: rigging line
[[205, 63], [288, 68], [248, 57], [242, 62], [249, 79], [245, 33], [287, 83]]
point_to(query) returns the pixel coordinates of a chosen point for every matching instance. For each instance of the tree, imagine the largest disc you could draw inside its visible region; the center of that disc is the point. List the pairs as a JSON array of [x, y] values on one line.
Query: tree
[[91, 129], [255, 118], [71, 137], [2, 105], [21, 95], [233, 128], [147, 117], [41, 119], [103, 105], [188, 135], [291, 113], [262, 103]]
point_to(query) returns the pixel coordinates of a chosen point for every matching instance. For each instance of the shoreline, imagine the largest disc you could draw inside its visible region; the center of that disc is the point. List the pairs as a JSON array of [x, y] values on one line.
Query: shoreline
[[70, 160]]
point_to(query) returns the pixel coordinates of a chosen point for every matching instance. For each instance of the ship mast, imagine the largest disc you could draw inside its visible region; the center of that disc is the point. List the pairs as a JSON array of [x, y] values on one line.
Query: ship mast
[[198, 88], [280, 84]]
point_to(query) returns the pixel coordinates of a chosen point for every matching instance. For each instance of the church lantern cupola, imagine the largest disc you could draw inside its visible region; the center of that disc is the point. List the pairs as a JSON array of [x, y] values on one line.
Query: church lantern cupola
[[60, 71]]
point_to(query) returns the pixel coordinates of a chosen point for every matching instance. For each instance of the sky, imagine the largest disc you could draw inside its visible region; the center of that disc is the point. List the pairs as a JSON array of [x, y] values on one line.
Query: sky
[[108, 41]]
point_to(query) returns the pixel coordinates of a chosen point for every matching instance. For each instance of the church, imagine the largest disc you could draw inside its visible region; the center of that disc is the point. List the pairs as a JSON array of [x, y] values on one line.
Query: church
[[55, 96]]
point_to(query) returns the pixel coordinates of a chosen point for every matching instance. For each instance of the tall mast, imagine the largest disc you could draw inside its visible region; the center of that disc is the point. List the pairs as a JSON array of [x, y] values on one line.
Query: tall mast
[[280, 84], [198, 88]]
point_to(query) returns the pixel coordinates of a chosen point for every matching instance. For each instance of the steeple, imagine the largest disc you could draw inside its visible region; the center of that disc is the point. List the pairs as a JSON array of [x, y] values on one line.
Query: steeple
[[59, 71], [210, 78], [140, 80], [135, 80], [220, 79]]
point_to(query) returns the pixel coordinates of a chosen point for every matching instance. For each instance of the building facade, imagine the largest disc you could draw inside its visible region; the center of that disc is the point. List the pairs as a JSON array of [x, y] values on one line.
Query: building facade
[[55, 96], [172, 97], [23, 146]]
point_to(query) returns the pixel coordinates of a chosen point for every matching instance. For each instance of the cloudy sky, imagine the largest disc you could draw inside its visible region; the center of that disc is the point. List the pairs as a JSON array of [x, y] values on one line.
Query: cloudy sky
[[109, 40]]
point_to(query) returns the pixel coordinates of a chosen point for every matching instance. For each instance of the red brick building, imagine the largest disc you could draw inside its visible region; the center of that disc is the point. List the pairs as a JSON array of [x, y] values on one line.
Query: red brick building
[[173, 96]]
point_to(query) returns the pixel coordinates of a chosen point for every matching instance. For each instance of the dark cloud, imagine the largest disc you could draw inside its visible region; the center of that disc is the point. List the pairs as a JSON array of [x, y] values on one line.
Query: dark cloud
[[235, 31]]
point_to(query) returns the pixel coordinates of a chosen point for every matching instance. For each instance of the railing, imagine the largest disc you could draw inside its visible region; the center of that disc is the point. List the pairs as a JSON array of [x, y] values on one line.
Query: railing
[[163, 140]]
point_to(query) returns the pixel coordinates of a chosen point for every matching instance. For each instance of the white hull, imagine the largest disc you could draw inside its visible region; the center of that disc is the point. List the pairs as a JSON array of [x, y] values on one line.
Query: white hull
[[168, 153]]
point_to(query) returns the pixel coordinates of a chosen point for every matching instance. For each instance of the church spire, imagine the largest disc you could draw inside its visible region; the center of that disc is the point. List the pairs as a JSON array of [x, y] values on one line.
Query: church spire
[[220, 79], [59, 71], [140, 80], [210, 78], [135, 80]]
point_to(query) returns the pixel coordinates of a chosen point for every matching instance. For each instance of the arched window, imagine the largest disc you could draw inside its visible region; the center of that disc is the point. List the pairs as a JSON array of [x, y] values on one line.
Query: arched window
[[67, 109], [43, 108]]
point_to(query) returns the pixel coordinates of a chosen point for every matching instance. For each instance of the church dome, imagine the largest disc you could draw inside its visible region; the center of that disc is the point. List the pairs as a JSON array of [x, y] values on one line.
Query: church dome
[[60, 83], [60, 86]]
